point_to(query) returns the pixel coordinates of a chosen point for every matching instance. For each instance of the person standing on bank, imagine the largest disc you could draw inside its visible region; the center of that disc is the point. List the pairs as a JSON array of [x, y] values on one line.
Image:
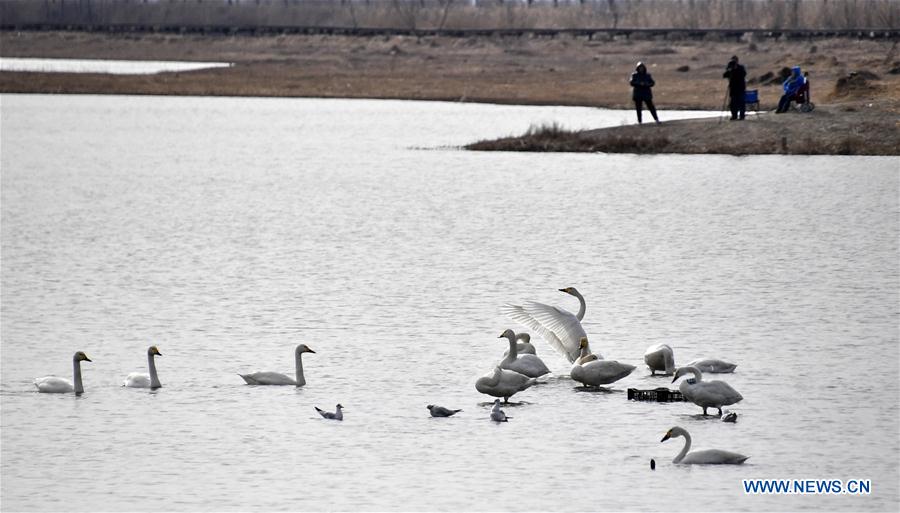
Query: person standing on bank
[[641, 81], [737, 86]]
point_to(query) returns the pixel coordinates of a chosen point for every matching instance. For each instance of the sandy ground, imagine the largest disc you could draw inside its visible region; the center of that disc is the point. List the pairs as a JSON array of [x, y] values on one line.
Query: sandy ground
[[562, 70]]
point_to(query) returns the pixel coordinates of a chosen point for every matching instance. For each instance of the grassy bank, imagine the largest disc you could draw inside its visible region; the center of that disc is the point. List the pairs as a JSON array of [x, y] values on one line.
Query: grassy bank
[[848, 129]]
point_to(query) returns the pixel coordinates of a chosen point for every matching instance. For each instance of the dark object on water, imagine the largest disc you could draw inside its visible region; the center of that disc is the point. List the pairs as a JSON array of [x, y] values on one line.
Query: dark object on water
[[652, 464], [440, 411], [730, 417], [683, 69], [660, 395]]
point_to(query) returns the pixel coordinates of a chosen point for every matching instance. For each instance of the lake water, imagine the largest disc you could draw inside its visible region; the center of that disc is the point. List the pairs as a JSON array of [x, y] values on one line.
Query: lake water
[[226, 231], [109, 66]]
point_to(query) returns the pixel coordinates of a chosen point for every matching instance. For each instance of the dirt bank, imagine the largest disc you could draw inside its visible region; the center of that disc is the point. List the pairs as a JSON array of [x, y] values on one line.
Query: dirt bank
[[856, 114]]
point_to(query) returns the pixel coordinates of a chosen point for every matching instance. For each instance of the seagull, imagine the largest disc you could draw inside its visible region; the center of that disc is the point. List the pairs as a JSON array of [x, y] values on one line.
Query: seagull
[[497, 414], [440, 411], [337, 415]]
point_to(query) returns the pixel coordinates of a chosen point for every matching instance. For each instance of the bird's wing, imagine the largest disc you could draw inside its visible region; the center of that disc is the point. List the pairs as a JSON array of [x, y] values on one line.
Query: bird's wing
[[561, 329]]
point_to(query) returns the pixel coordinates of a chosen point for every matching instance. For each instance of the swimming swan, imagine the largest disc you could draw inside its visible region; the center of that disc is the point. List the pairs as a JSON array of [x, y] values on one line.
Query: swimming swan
[[707, 457], [713, 366], [274, 378], [141, 380], [56, 385], [660, 358], [503, 383], [706, 394], [523, 347], [592, 371], [561, 329], [527, 364]]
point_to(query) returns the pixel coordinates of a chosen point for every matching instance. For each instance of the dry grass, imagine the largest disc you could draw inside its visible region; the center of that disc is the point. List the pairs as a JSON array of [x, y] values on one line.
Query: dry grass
[[461, 14]]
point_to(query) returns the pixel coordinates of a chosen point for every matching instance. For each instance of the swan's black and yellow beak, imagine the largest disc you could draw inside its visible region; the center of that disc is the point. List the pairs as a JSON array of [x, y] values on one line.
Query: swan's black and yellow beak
[[668, 435], [308, 350], [564, 290], [87, 359], [501, 335], [675, 378]]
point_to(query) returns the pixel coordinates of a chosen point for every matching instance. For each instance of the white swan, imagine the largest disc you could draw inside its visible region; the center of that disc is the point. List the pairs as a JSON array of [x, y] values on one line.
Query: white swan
[[503, 383], [592, 371], [712, 366], [141, 380], [561, 329], [527, 364], [706, 394], [523, 347], [660, 358], [707, 457], [56, 385], [274, 378]]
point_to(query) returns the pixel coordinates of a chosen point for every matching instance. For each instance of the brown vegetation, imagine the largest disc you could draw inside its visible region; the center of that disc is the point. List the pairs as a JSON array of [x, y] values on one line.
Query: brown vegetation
[[465, 14]]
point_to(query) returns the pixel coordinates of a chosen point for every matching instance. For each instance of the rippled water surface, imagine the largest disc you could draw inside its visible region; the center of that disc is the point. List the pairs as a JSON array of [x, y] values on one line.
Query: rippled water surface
[[226, 231]]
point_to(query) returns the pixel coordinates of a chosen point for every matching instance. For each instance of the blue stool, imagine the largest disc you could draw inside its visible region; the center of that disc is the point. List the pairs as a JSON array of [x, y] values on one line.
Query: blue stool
[[751, 100]]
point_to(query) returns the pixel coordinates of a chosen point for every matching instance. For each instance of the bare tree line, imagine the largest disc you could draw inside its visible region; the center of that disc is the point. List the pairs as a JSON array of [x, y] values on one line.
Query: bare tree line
[[464, 14]]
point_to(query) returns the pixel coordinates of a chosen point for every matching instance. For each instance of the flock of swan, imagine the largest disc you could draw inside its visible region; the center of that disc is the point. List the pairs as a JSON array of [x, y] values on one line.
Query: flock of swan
[[518, 370]]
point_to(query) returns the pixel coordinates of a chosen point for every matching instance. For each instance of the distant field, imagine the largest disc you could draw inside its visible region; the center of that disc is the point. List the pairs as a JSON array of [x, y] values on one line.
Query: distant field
[[461, 14]]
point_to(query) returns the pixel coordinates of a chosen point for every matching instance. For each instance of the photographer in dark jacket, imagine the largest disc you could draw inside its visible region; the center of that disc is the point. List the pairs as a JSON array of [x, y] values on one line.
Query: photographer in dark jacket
[[641, 81], [737, 85]]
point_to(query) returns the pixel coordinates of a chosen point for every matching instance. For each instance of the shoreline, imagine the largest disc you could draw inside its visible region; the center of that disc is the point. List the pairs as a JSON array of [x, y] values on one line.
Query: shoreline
[[855, 84]]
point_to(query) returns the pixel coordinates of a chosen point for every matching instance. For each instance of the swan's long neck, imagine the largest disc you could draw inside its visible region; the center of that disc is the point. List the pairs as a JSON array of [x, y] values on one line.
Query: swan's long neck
[[669, 359], [299, 364], [154, 379], [686, 448], [513, 348], [494, 380], [581, 305], [79, 388], [698, 376]]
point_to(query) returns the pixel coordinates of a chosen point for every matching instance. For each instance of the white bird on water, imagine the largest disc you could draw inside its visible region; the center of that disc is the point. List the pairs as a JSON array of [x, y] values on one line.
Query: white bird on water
[[527, 364], [660, 358], [141, 380], [592, 371], [560, 328], [706, 394], [57, 385], [707, 457], [713, 366], [497, 415], [275, 378], [337, 415], [523, 347], [503, 383]]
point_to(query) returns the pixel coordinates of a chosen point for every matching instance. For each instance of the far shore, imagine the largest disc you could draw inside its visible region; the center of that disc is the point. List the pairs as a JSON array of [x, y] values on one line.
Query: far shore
[[855, 83]]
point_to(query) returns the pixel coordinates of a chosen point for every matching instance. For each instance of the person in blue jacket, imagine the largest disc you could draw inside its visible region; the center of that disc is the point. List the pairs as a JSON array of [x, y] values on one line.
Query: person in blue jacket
[[641, 81], [791, 86]]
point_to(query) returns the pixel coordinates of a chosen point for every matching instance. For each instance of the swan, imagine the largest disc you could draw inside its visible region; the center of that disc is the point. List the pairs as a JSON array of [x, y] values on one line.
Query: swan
[[706, 394], [593, 371], [503, 383], [560, 328], [141, 380], [707, 457], [56, 385], [274, 378], [660, 358], [527, 364], [713, 366], [523, 347]]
